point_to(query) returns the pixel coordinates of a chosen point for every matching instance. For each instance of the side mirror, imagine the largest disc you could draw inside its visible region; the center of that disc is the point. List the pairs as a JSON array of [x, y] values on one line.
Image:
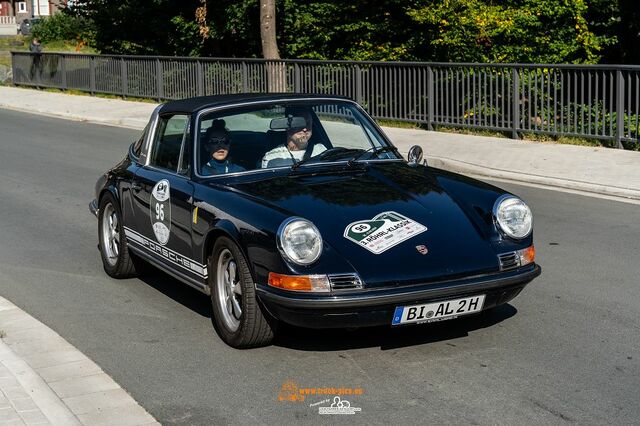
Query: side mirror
[[415, 155]]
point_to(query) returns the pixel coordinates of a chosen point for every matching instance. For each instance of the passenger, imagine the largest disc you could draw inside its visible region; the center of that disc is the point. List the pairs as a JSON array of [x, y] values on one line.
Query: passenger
[[295, 148], [218, 144]]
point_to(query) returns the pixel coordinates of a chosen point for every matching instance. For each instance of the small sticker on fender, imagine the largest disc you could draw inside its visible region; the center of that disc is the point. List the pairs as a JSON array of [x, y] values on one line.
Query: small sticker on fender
[[422, 249], [195, 216]]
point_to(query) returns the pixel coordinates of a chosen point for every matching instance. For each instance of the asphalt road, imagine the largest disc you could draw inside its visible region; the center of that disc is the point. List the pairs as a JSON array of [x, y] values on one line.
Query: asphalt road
[[565, 350]]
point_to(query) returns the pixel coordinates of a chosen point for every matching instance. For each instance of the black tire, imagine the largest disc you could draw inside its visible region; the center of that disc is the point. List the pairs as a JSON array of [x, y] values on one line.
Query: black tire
[[116, 260], [253, 326]]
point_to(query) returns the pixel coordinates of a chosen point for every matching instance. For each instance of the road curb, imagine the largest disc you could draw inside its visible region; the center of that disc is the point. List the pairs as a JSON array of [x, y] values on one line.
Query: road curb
[[65, 385], [462, 167], [130, 123], [47, 401]]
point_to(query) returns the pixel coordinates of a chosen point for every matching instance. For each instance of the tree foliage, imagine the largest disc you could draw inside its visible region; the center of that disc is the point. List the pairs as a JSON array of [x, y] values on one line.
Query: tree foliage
[[529, 31], [547, 31], [346, 29], [618, 21], [163, 27]]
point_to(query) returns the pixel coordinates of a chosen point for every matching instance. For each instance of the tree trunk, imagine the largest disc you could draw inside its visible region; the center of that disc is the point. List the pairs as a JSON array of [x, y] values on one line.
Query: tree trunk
[[276, 71], [268, 29]]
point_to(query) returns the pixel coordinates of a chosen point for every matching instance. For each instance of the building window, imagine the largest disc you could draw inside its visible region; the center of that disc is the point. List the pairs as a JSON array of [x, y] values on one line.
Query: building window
[[22, 7], [43, 7]]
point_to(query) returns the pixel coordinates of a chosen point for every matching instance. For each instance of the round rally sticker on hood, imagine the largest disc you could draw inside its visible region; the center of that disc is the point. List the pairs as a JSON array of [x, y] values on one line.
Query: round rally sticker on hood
[[382, 232], [160, 211]]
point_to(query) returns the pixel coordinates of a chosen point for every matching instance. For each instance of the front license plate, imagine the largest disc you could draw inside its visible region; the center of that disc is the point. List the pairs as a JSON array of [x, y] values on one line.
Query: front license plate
[[438, 311]]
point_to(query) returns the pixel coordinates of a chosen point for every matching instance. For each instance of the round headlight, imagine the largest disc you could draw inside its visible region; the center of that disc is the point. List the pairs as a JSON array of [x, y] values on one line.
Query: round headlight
[[513, 216], [299, 241]]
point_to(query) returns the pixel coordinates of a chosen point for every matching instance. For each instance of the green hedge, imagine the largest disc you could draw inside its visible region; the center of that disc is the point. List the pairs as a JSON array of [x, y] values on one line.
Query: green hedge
[[63, 26]]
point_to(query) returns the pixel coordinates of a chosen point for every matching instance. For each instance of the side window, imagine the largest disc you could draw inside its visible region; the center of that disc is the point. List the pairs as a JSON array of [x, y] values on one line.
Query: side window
[[235, 142], [167, 146], [137, 145], [185, 151]]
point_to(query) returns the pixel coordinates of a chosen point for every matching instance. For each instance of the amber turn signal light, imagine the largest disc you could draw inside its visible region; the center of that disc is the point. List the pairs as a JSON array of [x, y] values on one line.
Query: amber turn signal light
[[299, 282], [527, 255]]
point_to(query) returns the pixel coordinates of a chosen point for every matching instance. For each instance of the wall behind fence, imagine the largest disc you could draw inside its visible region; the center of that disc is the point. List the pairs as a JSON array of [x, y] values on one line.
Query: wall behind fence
[[589, 101]]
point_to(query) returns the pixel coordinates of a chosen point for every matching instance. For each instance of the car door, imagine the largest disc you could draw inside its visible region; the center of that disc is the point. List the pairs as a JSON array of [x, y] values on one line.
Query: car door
[[162, 196]]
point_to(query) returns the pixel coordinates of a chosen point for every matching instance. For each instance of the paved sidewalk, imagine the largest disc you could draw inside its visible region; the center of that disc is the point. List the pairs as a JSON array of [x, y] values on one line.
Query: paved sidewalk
[[46, 381], [587, 170]]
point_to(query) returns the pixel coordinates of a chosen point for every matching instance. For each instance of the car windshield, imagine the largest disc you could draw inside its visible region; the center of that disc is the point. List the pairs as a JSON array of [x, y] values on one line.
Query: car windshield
[[285, 135]]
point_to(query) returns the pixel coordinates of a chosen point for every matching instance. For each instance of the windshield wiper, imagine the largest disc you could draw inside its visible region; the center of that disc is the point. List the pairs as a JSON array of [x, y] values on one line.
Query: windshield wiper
[[374, 152], [324, 154]]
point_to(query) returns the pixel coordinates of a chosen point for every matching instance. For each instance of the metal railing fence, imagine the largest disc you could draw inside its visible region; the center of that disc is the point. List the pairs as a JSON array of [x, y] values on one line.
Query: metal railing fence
[[586, 101]]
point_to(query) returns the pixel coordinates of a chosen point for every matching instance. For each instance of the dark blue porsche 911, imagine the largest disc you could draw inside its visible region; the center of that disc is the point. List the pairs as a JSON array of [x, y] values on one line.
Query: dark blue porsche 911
[[297, 209]]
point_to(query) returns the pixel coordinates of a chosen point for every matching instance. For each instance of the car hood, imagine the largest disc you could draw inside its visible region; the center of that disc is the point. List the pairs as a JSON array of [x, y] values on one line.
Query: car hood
[[394, 224]]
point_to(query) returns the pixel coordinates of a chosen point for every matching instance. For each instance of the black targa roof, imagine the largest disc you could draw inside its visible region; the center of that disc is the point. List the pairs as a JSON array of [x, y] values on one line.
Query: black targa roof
[[192, 105]]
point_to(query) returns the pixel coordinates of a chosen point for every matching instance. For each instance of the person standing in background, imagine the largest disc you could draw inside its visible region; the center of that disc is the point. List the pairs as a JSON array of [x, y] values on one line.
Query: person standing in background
[[36, 49], [35, 46]]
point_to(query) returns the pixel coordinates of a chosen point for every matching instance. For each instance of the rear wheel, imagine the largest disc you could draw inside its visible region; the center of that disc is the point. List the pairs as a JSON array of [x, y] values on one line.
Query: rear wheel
[[237, 316], [116, 259]]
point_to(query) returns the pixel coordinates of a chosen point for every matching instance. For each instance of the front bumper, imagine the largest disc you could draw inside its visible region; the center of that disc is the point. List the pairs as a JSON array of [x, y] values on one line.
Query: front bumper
[[376, 307], [93, 208]]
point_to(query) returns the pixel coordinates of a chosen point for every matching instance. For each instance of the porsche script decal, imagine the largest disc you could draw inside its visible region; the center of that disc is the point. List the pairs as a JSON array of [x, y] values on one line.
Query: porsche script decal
[[383, 231]]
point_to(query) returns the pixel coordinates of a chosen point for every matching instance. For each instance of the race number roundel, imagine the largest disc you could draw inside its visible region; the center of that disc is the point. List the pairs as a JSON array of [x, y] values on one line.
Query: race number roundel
[[160, 211]]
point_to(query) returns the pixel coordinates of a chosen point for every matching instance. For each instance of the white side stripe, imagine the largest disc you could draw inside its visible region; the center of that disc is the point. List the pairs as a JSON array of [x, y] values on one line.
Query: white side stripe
[[135, 237], [170, 255]]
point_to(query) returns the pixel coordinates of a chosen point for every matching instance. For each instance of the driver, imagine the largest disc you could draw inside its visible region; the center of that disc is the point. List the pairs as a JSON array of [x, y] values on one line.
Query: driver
[[218, 144], [295, 148]]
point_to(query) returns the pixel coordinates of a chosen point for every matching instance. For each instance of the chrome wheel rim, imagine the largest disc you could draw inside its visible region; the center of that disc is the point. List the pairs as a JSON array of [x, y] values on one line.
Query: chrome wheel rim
[[110, 234], [229, 290]]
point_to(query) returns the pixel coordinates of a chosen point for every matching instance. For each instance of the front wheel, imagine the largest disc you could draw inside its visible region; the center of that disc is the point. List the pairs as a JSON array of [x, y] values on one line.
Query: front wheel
[[237, 316]]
